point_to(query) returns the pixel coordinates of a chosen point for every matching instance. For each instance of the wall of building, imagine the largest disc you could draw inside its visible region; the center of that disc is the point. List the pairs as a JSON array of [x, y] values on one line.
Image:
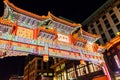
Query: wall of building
[[36, 68], [69, 69], [106, 22]]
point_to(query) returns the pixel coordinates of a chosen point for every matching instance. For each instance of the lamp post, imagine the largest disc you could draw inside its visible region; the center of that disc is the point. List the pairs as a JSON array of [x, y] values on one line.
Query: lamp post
[[118, 33]]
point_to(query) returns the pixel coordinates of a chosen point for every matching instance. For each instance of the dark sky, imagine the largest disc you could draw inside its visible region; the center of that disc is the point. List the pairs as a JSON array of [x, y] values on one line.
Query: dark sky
[[75, 10], [11, 65]]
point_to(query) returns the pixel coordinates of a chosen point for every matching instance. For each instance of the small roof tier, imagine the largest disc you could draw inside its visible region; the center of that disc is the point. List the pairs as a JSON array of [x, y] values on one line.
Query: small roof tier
[[24, 11], [88, 36], [62, 20], [7, 22]]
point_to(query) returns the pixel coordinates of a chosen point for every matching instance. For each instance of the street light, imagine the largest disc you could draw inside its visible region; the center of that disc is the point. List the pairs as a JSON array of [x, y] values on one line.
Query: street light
[[45, 58], [82, 62], [118, 33]]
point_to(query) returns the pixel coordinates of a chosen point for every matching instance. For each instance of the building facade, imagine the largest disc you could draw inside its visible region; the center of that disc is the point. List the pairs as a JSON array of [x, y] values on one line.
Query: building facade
[[71, 69], [36, 68], [106, 22], [60, 69]]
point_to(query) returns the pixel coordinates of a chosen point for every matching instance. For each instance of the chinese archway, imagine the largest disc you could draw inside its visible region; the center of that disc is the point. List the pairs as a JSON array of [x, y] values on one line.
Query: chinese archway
[[23, 33]]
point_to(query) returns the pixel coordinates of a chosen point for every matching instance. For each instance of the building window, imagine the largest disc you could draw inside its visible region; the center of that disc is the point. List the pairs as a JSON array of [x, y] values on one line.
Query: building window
[[44, 65], [39, 64], [44, 74], [96, 67], [71, 73], [100, 28], [107, 24], [91, 67], [50, 63], [111, 11], [50, 74], [118, 27], [93, 31], [118, 6], [91, 26], [104, 38], [82, 70], [114, 18], [111, 33], [104, 17], [97, 21]]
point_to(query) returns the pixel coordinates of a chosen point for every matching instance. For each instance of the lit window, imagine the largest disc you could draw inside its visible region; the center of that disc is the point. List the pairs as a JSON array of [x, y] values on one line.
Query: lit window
[[45, 74], [91, 67], [82, 70], [70, 73], [50, 74]]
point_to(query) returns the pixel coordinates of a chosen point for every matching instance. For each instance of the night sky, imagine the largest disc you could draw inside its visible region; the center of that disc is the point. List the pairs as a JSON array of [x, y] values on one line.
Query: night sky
[[75, 10]]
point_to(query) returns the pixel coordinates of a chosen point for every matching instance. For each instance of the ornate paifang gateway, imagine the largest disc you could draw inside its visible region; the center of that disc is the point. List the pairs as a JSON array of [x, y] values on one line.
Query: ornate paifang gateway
[[23, 33]]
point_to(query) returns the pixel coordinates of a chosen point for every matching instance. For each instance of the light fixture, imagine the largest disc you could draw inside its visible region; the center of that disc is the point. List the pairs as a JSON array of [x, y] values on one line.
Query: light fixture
[[82, 62], [45, 58], [118, 33]]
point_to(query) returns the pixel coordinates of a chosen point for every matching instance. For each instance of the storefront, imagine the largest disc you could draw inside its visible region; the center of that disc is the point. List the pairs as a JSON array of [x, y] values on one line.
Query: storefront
[[112, 56], [71, 69]]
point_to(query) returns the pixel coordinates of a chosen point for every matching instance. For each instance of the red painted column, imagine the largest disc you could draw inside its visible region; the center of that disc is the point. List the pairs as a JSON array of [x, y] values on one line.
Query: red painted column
[[105, 69]]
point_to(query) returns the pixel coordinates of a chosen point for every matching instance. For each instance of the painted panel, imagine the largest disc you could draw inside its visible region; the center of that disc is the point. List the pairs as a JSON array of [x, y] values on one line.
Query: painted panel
[[24, 32], [63, 38]]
